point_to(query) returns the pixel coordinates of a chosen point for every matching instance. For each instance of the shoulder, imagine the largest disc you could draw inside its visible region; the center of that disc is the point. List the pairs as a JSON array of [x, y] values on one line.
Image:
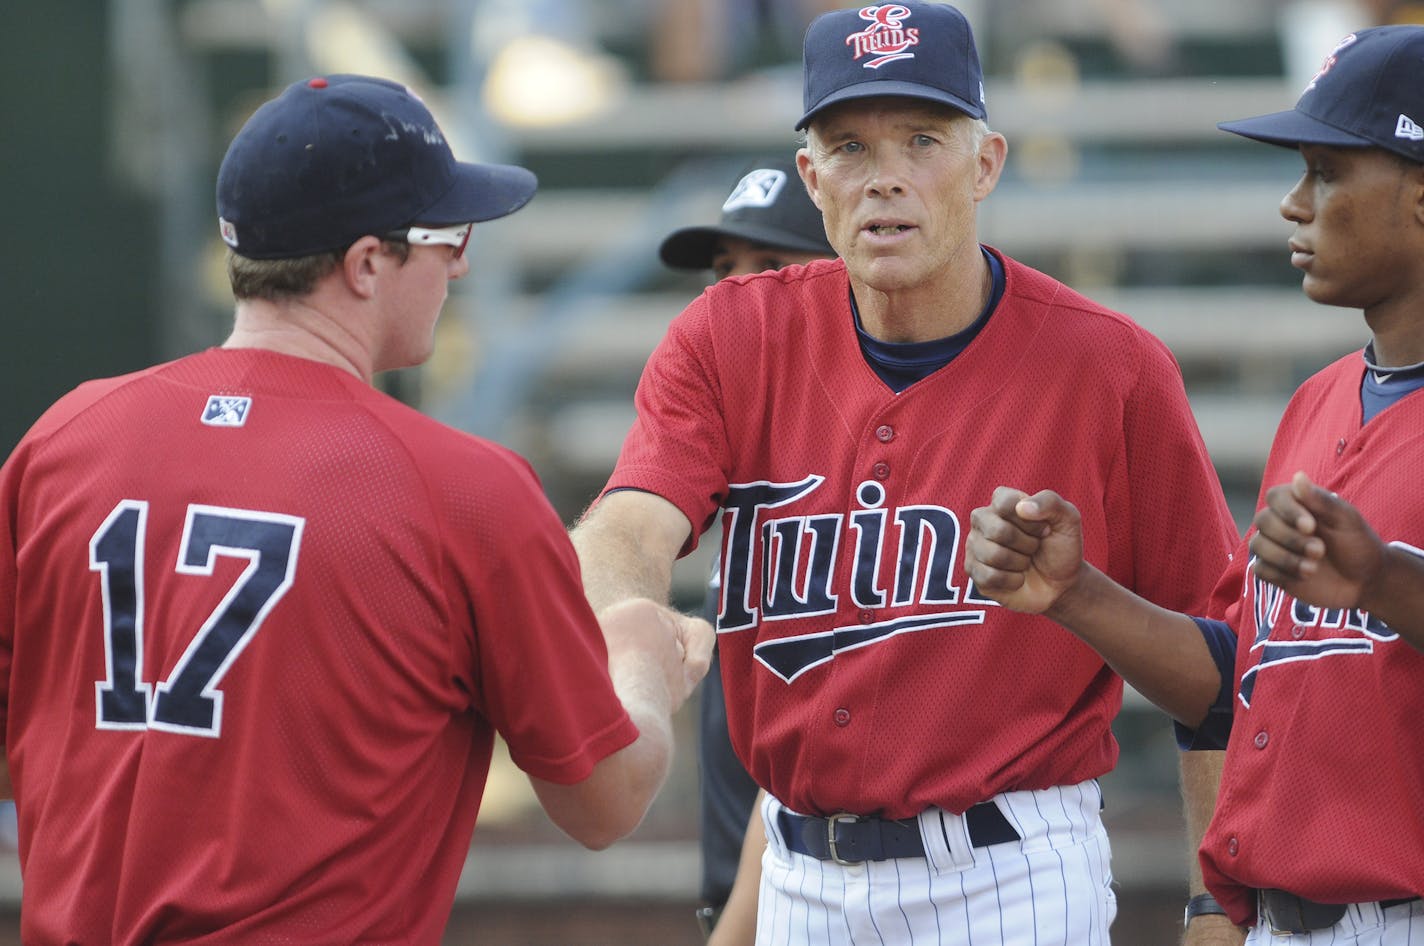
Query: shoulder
[[446, 453], [1347, 369], [1025, 285], [762, 306], [1072, 319], [1334, 387], [770, 292], [85, 396]]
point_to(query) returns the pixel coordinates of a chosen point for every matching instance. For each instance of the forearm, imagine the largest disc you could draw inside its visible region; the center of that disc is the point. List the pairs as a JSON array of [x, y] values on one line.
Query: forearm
[[626, 547], [737, 927], [611, 802], [1159, 652], [1396, 595], [655, 658], [1201, 779]]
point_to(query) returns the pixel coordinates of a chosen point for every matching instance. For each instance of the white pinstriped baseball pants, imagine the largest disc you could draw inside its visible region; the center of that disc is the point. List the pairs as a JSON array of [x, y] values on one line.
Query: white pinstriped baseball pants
[[1052, 888], [1364, 924]]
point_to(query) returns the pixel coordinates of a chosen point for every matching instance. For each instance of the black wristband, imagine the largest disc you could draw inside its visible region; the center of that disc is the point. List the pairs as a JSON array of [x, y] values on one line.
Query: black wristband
[[1201, 903]]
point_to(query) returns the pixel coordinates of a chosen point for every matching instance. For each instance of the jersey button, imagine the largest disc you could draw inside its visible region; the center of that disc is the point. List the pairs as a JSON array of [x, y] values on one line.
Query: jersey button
[[1297, 632], [1261, 739], [841, 716], [1340, 447], [881, 470], [1232, 847], [885, 433], [867, 617]]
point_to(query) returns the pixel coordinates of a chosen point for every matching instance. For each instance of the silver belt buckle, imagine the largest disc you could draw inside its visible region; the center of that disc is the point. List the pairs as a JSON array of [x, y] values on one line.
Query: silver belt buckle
[[1266, 913], [831, 823]]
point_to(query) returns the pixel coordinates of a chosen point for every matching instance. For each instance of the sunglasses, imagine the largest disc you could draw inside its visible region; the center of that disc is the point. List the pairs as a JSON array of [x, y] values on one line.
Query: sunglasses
[[457, 236]]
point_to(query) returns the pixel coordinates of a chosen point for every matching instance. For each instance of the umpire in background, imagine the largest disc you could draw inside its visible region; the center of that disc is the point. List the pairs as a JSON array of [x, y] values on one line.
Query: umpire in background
[[767, 222], [259, 622]]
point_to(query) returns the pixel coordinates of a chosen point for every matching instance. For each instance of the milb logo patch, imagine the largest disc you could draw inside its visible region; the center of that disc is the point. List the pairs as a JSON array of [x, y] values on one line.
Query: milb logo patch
[[226, 411], [758, 189]]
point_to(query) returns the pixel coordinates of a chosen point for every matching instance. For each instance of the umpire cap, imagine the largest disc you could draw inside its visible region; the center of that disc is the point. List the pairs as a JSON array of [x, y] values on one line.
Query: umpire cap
[[768, 205], [1368, 93], [335, 158]]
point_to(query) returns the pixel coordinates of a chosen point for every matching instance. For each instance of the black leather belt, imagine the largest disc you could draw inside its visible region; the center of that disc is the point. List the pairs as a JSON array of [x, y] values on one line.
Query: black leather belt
[[851, 839], [1285, 913]]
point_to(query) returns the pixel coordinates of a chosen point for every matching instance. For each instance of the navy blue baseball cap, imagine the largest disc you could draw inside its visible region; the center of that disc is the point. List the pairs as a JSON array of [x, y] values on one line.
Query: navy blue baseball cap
[[917, 50], [1369, 93], [335, 158], [768, 205]]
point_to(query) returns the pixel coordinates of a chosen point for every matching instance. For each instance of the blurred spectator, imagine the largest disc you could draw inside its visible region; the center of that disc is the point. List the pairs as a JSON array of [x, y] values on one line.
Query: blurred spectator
[[1395, 12], [712, 40], [1309, 26], [545, 64], [1139, 34]]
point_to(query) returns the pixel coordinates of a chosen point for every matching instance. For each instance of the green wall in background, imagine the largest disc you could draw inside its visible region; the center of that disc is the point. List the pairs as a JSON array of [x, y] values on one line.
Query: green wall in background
[[77, 257]]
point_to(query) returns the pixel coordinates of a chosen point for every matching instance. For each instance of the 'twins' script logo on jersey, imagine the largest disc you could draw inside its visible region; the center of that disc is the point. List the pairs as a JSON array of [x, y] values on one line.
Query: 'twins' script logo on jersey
[[226, 411], [1308, 633], [886, 39], [798, 571]]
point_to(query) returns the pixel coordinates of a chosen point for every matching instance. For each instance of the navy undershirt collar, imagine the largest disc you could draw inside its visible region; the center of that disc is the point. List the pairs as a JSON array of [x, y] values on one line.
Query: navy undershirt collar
[[1381, 386], [901, 364]]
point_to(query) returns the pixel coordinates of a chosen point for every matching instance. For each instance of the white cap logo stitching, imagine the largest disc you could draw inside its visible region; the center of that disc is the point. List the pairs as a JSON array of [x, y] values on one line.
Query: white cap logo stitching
[[885, 38], [758, 189], [1330, 61], [1408, 128]]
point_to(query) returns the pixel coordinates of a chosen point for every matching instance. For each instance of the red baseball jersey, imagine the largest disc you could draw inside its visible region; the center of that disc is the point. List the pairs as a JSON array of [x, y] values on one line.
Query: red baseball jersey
[[259, 624], [1324, 775], [863, 672]]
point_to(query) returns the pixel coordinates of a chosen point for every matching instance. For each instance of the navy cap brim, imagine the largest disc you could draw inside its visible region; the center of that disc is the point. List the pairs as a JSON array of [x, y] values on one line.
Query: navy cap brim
[[694, 247], [481, 192], [1292, 128], [879, 87]]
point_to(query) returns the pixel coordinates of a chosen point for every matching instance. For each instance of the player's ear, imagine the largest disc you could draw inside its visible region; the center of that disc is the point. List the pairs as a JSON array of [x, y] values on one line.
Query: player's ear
[[993, 152], [360, 265], [1414, 176], [807, 168]]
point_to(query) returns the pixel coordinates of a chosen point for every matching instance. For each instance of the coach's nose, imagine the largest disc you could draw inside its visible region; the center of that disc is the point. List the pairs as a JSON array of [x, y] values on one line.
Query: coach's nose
[[887, 175]]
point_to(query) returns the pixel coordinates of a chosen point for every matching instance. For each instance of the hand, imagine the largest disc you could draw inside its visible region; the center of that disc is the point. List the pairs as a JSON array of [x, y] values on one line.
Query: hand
[[639, 631], [1314, 545], [1025, 551], [696, 639]]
